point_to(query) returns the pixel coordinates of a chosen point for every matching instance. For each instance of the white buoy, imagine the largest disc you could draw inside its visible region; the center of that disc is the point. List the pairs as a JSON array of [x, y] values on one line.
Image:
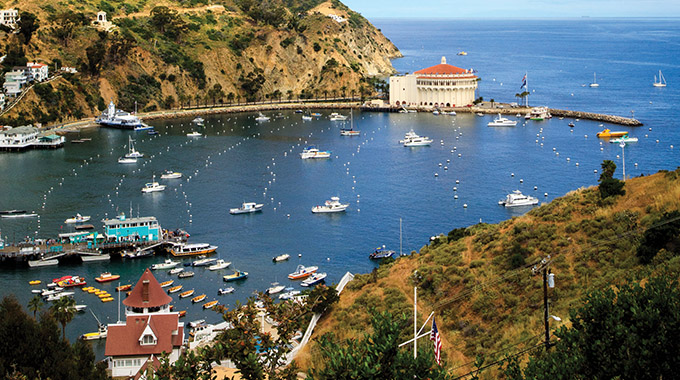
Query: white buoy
[[455, 197], [457, 182], [464, 205], [521, 180], [455, 188], [545, 194], [595, 171], [512, 174], [535, 187], [435, 174]]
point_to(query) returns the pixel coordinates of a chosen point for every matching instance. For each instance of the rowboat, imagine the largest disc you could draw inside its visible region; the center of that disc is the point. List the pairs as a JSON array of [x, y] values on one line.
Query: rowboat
[[35, 282], [107, 299], [165, 284], [186, 274], [198, 298], [175, 289], [106, 277], [188, 293], [210, 305]]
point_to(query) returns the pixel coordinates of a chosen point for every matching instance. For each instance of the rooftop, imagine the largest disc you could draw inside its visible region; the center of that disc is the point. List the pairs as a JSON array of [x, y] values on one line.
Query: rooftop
[[442, 69], [110, 222], [147, 293], [124, 339]]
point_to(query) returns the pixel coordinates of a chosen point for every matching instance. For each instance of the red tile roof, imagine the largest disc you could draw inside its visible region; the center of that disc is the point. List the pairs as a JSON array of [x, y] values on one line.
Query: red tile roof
[[147, 293], [123, 340], [441, 69], [152, 363]]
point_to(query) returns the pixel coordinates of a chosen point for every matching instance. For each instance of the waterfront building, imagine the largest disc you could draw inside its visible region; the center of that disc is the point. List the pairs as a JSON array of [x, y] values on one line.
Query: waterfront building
[[18, 138], [123, 229], [149, 330], [442, 85], [9, 17]]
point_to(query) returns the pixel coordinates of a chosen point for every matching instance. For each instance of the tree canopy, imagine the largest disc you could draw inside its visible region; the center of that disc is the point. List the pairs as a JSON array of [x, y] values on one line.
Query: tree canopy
[[610, 186]]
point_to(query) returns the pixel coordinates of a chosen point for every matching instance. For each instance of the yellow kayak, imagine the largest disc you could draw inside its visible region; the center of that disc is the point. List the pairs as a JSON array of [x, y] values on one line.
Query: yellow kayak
[[35, 282]]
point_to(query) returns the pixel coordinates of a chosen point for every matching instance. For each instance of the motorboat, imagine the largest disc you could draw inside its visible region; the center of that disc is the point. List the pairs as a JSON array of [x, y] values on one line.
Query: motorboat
[[107, 277], [247, 207], [210, 305], [219, 264], [169, 174], [72, 282], [153, 186], [624, 139], [280, 258], [132, 152], [196, 323], [289, 294], [572, 125], [166, 284], [80, 308], [17, 214], [381, 253], [313, 152], [261, 117], [113, 117], [661, 82], [56, 296], [198, 121], [302, 271], [187, 293], [516, 198], [143, 127], [101, 333], [204, 262], [186, 274], [175, 289], [198, 298], [175, 271], [609, 133], [314, 279], [275, 288], [167, 264], [194, 249], [412, 139], [126, 160], [237, 275], [307, 117], [462, 53], [337, 117], [77, 219], [223, 291], [332, 205], [137, 253], [152, 132], [502, 122], [194, 134]]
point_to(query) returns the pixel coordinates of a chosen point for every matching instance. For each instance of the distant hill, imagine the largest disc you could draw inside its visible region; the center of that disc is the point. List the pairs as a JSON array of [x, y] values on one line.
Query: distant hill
[[478, 280], [163, 53]]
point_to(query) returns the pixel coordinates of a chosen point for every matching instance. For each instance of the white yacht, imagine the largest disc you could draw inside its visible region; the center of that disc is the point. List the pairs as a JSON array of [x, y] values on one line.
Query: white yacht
[[332, 205], [219, 264], [118, 118], [169, 174], [77, 219], [261, 117], [152, 186], [167, 264], [502, 122], [516, 198], [132, 152], [275, 288], [194, 134], [624, 139], [412, 139], [313, 152], [337, 117], [247, 207]]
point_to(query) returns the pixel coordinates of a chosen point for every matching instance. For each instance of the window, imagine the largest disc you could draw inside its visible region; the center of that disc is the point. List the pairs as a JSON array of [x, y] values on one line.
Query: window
[[148, 339]]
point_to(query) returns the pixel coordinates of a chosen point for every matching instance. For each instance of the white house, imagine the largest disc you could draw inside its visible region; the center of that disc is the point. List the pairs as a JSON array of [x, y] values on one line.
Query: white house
[[38, 71], [150, 329], [441, 85], [9, 17], [2, 101], [15, 80]]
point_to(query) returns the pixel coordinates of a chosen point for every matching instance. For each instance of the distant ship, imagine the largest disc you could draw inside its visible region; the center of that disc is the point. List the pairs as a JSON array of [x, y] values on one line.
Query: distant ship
[[118, 118]]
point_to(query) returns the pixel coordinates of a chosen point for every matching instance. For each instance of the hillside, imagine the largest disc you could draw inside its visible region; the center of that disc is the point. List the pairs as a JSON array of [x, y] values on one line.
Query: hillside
[[479, 282], [165, 53]]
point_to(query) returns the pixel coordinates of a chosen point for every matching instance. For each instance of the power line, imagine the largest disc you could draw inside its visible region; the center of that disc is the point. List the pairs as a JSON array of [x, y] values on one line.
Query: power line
[[499, 351], [500, 361]]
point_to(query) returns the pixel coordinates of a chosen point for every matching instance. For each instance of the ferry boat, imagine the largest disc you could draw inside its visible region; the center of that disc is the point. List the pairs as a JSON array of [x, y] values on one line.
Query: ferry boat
[[184, 249], [165, 284], [219, 264], [261, 117], [609, 133], [175, 289], [237, 275], [223, 291], [167, 264], [381, 253], [77, 219], [314, 279], [107, 277], [132, 152], [312, 152], [337, 117], [169, 174], [302, 271], [280, 258], [153, 186], [516, 198], [198, 298], [210, 305], [502, 122], [332, 205], [118, 118], [186, 294], [246, 207], [186, 274]]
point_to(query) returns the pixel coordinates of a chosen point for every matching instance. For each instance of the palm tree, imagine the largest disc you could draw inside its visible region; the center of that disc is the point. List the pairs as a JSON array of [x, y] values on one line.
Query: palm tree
[[343, 89], [64, 310], [35, 304]]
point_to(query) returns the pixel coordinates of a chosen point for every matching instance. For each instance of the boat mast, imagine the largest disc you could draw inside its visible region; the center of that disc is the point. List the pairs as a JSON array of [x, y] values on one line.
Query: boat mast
[[400, 245]]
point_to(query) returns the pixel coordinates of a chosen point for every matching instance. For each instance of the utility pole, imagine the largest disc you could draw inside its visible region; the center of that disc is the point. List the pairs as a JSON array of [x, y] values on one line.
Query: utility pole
[[543, 268]]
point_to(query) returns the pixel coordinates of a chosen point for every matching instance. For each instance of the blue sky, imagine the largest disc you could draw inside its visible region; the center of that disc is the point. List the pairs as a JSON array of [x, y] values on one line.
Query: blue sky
[[514, 8]]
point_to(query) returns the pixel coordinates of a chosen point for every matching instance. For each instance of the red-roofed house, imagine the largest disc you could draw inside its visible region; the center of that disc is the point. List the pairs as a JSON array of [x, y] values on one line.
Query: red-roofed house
[[442, 85], [38, 71], [150, 329]]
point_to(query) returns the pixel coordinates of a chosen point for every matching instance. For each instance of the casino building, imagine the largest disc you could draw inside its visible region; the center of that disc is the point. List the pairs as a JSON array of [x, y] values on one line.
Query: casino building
[[442, 85]]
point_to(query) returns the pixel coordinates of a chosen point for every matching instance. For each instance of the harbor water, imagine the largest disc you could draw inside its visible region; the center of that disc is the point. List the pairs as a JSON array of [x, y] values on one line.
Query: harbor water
[[241, 160]]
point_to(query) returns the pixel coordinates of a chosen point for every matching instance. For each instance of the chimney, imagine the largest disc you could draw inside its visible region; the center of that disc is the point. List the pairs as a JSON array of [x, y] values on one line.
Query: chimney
[[145, 291]]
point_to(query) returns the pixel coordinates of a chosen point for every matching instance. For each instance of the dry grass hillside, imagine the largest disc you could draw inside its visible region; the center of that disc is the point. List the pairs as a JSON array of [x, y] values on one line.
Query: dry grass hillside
[[165, 53], [478, 280]]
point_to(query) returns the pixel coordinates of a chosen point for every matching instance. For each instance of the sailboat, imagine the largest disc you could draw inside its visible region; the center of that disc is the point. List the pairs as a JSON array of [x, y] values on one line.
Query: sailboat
[[661, 82], [594, 84], [132, 152], [383, 253], [350, 131]]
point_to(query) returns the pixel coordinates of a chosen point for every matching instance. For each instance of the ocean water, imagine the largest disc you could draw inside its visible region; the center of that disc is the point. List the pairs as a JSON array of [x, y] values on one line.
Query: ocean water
[[241, 160]]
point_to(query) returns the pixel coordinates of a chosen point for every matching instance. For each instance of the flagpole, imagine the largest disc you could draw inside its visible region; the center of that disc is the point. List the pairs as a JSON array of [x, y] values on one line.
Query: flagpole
[[415, 327]]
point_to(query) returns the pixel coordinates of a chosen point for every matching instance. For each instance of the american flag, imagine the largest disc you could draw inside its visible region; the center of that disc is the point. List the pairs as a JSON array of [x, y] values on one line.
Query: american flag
[[524, 82], [434, 336]]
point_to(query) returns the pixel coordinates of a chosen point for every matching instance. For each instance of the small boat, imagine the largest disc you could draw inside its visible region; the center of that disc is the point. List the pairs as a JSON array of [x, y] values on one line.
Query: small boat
[[502, 122], [275, 288], [350, 131], [35, 282], [435, 112], [107, 299], [175, 289], [81, 227], [49, 292], [186, 274], [381, 253], [302, 271], [313, 152], [661, 82], [199, 120], [461, 53], [624, 139], [261, 117], [337, 117], [306, 118], [152, 186], [71, 282], [246, 207], [123, 288], [169, 174], [210, 305], [280, 258], [594, 84], [314, 279], [194, 134], [126, 160], [137, 253], [186, 294], [143, 127], [196, 323], [289, 294], [175, 271], [80, 308], [412, 139], [167, 264], [609, 133], [223, 291], [106, 277], [219, 264], [298, 111], [516, 198], [56, 296], [572, 125], [17, 214], [194, 249], [100, 334], [152, 132], [182, 313], [237, 275], [198, 298], [132, 152], [77, 219], [165, 284], [316, 114], [332, 205]]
